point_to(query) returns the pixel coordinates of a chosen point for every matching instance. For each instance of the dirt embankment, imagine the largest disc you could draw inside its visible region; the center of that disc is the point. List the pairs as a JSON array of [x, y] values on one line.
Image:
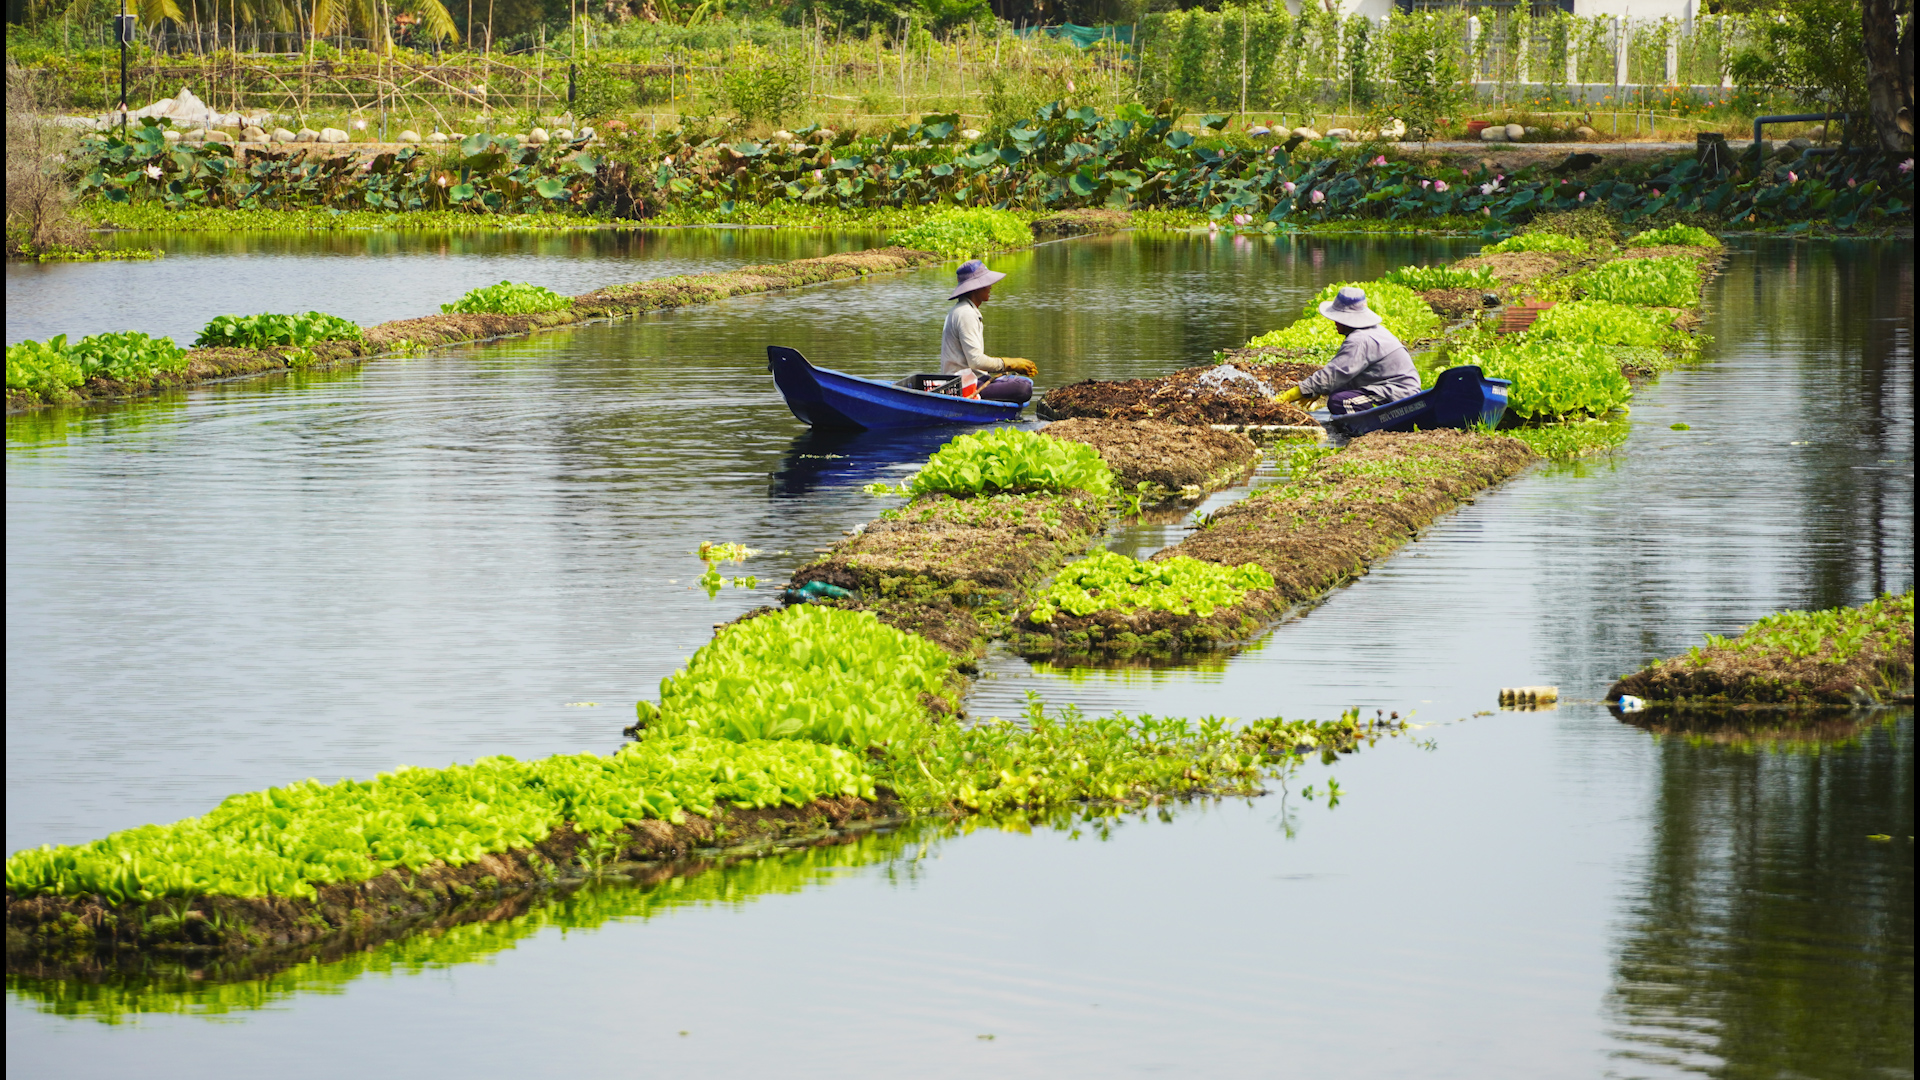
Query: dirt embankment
[[69, 934], [934, 566], [1158, 460], [1324, 527], [1880, 673], [207, 365], [1197, 395]]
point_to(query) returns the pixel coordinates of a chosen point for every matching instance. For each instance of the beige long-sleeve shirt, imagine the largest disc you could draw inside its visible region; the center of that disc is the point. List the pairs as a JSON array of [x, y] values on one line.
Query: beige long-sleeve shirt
[[963, 342]]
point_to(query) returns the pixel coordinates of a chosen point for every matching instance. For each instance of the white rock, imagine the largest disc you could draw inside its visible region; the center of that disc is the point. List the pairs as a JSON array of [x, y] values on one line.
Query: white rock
[[1515, 132], [358, 125], [563, 135], [437, 137], [1343, 134], [537, 136], [282, 135], [1305, 133], [194, 134], [970, 133], [783, 136], [306, 134], [1394, 129], [1586, 133], [216, 135], [1257, 131], [170, 135], [586, 133], [253, 135], [410, 136], [1496, 133], [332, 135]]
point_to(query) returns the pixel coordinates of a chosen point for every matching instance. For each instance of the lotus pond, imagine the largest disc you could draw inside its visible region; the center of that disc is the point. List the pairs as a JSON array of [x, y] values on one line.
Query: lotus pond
[[493, 550]]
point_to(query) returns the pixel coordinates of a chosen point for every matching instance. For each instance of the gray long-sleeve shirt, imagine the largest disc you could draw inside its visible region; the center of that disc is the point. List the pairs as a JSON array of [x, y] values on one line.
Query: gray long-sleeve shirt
[[1372, 361]]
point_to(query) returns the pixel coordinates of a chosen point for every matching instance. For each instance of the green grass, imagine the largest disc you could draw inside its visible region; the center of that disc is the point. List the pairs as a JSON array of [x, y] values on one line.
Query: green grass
[[1574, 438], [1675, 235], [1835, 634]]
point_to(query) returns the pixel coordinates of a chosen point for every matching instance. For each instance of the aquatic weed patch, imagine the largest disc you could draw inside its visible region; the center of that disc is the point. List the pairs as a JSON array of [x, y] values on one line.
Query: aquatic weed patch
[[1108, 581], [1403, 310], [1428, 278], [268, 330], [51, 369], [508, 298], [289, 841], [1840, 656], [1669, 281], [1550, 243], [1597, 322], [1008, 460], [963, 234], [1675, 236], [1551, 379], [808, 672]]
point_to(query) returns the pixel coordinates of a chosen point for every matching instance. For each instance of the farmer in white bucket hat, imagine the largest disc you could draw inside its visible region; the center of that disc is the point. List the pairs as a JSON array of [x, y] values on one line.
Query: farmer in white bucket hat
[[963, 341], [1372, 367]]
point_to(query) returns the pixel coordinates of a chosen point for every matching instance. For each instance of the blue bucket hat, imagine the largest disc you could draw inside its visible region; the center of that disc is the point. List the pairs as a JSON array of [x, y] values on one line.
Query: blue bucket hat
[[1349, 308], [973, 275]]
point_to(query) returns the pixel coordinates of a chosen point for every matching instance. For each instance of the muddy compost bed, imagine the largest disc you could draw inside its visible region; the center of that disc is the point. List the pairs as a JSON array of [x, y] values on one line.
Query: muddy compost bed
[[1194, 396], [1879, 674], [1324, 527], [1158, 460]]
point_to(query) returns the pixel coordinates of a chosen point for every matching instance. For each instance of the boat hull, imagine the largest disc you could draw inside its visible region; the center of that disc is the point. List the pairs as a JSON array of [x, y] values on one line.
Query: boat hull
[[1461, 397], [831, 399]]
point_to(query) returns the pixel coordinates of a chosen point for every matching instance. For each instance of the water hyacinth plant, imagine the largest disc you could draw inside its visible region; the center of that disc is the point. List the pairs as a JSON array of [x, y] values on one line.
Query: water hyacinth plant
[[1425, 278], [267, 331], [52, 366], [1668, 281], [807, 672], [1551, 379], [1402, 310], [1108, 581], [1540, 241], [1675, 236], [1836, 634], [1597, 322], [1007, 459], [508, 298], [967, 233], [284, 841]]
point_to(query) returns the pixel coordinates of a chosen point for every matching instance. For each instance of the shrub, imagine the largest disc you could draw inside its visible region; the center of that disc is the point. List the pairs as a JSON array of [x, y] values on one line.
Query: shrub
[[1596, 322], [966, 233], [1401, 308], [814, 673], [267, 331], [1011, 460], [1543, 241], [1107, 581], [1552, 379], [1670, 281], [1678, 235], [53, 365], [1425, 278], [284, 841], [508, 298]]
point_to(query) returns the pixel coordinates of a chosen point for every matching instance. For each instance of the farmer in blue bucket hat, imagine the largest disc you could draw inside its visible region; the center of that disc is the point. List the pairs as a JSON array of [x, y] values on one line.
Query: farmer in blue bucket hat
[[963, 341], [1372, 367]]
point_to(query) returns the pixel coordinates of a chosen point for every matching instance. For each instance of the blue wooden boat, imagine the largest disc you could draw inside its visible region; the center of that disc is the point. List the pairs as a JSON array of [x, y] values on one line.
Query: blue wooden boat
[[1461, 397], [832, 399]]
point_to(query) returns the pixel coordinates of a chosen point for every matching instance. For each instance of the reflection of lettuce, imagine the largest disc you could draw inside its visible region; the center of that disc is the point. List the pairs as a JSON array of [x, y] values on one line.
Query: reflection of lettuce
[[168, 988]]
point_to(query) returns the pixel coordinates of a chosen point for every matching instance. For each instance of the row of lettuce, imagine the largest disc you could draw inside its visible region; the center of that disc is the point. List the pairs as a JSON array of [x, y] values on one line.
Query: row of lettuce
[[50, 368], [1059, 159]]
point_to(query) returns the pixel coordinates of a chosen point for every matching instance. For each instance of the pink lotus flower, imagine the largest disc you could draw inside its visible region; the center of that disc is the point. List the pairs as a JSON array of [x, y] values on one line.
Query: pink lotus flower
[[1489, 188], [1287, 187], [1241, 219], [153, 172], [1317, 197], [1439, 185], [819, 174], [1381, 160], [1906, 166], [1465, 173], [1582, 197], [1853, 183], [1486, 211], [1793, 177], [1426, 183]]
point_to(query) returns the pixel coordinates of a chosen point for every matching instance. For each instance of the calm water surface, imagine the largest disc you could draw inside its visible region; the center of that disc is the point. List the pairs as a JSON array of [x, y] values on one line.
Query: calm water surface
[[427, 560]]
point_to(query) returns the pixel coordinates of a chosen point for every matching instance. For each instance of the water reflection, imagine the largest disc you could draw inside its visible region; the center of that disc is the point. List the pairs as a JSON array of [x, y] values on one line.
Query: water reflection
[[1769, 933]]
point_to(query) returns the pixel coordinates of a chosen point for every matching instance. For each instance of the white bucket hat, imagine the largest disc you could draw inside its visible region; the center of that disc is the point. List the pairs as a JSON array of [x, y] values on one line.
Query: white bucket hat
[[973, 275], [1349, 308]]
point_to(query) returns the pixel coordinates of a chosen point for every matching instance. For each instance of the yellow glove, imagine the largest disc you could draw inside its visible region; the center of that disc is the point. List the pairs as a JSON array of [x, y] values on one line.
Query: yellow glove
[[1017, 366], [1290, 394]]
